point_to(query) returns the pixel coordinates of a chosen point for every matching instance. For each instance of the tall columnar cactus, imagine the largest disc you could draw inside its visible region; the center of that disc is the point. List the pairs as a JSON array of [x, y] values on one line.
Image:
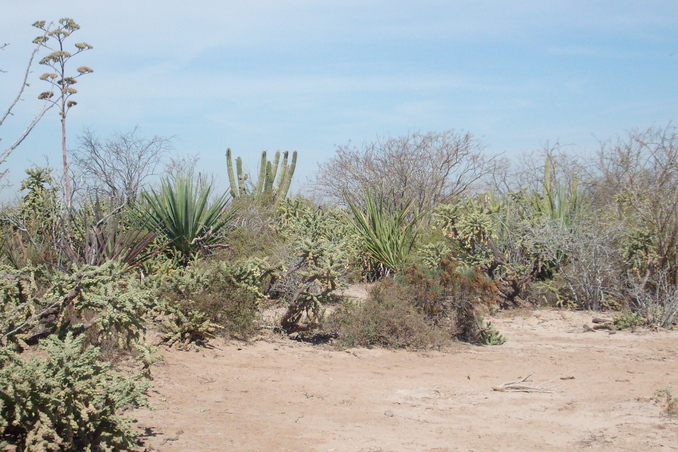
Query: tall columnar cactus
[[237, 185], [267, 189]]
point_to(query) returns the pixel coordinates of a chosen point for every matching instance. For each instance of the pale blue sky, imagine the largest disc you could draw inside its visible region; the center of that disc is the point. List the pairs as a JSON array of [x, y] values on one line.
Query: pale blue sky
[[310, 75]]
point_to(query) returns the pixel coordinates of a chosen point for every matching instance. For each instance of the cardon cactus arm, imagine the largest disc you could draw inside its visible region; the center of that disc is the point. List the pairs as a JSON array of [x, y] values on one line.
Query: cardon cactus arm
[[286, 176], [241, 177], [267, 189], [231, 176], [262, 175], [272, 172]]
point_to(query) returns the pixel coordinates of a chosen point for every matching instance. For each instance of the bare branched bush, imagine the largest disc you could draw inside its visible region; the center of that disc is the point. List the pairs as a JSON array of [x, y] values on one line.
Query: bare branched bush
[[115, 168], [656, 301], [592, 267], [583, 257], [529, 171], [638, 183], [46, 105], [427, 168]]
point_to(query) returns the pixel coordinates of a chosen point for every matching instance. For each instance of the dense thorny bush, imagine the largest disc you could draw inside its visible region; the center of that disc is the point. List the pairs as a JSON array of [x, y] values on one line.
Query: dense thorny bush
[[387, 319], [421, 309], [453, 295], [319, 253], [104, 301], [69, 400]]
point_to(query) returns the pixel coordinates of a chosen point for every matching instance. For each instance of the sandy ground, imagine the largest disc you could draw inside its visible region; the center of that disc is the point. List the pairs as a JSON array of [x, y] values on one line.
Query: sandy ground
[[280, 395]]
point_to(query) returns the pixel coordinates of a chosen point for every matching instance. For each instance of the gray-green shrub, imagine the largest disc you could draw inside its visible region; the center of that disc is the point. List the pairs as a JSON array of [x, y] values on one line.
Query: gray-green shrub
[[69, 400]]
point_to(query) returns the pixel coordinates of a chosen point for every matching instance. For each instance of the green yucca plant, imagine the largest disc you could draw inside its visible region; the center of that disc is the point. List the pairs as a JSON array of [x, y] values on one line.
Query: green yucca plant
[[183, 210], [386, 235]]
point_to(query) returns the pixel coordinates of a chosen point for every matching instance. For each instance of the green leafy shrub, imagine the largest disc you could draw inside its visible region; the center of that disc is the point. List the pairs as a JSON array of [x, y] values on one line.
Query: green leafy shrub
[[387, 319], [66, 401]]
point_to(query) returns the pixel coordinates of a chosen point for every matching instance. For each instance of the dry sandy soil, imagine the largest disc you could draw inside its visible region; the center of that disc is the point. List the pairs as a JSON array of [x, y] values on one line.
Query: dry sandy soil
[[275, 394]]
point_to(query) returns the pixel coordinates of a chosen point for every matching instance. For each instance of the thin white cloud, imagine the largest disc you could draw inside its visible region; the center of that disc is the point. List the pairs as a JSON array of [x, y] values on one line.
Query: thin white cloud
[[311, 74]]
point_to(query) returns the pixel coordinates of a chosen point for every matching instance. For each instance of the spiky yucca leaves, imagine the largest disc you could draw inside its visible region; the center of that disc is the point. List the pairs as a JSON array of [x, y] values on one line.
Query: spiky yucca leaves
[[183, 210], [387, 235]]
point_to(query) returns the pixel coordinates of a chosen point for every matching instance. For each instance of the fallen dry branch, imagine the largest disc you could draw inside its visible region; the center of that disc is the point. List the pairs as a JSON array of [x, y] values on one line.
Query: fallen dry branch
[[601, 320], [520, 386], [600, 324]]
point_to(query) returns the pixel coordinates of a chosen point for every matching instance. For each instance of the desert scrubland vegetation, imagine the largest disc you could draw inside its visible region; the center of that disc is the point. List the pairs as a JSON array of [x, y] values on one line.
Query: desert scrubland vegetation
[[95, 255]]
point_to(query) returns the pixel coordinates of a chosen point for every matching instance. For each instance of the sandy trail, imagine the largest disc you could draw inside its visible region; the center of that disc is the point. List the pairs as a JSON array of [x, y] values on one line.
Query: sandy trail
[[280, 395]]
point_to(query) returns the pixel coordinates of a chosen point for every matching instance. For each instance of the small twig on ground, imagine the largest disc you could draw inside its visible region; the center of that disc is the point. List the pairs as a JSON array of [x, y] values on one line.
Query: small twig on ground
[[520, 386]]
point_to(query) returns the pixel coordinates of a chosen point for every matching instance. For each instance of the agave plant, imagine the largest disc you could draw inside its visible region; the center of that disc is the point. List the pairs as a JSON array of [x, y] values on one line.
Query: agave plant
[[386, 235], [184, 211], [557, 201]]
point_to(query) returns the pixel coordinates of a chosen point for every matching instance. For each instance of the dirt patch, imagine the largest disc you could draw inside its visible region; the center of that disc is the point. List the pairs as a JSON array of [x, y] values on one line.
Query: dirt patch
[[276, 394]]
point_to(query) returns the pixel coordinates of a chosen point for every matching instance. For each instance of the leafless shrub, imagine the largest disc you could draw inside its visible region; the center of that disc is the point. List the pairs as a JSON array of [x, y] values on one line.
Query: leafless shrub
[[182, 167], [116, 167], [656, 301], [46, 105], [592, 266], [428, 168], [637, 182], [528, 173]]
